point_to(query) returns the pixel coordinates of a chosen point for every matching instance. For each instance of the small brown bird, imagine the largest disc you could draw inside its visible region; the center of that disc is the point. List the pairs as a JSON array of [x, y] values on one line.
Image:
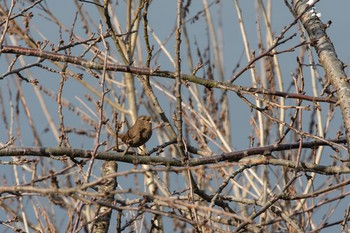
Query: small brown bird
[[139, 133]]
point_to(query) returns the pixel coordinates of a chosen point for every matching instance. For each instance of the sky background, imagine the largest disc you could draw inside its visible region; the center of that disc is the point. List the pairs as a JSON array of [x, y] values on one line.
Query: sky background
[[162, 20]]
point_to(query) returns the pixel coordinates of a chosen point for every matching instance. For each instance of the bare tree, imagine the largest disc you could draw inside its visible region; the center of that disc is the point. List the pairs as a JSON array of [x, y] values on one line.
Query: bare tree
[[248, 136]]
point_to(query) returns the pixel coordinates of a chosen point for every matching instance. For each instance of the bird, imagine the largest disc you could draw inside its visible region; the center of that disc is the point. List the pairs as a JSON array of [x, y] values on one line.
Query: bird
[[139, 133]]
